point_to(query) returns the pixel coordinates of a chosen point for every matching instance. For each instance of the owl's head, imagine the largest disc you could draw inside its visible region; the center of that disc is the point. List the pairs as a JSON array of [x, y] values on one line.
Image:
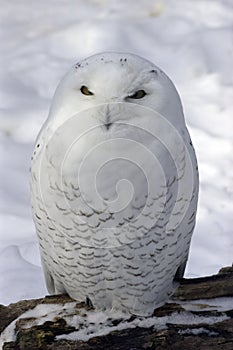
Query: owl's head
[[113, 77]]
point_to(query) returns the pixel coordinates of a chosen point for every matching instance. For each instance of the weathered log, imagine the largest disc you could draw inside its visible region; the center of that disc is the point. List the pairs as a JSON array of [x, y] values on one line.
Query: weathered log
[[186, 322]]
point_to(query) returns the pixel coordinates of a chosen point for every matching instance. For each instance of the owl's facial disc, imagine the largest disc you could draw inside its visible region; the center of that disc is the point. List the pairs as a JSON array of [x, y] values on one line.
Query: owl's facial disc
[[115, 79], [138, 94]]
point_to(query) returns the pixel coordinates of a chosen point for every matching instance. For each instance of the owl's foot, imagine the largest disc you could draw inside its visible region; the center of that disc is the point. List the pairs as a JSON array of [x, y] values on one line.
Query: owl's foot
[[89, 303]]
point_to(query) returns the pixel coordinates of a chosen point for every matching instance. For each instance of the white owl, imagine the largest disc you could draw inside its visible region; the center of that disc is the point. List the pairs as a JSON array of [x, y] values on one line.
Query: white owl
[[114, 185]]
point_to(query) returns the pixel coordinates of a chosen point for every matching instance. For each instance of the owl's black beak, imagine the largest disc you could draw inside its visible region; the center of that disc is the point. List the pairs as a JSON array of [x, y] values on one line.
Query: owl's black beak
[[107, 126], [108, 122]]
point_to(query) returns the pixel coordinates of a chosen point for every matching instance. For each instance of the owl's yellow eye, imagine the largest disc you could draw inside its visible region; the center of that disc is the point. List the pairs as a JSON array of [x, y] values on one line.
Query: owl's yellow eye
[[85, 91], [138, 94]]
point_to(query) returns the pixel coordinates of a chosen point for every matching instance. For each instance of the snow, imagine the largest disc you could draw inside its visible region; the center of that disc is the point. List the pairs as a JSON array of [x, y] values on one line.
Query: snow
[[191, 40], [221, 304], [197, 331], [89, 330]]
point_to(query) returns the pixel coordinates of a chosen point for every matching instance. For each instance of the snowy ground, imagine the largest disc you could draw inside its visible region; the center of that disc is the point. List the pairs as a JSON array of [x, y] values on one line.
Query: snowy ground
[[191, 40], [90, 324]]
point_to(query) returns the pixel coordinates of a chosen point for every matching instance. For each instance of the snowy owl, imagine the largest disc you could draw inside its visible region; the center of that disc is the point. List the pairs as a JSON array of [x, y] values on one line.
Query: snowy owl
[[114, 185]]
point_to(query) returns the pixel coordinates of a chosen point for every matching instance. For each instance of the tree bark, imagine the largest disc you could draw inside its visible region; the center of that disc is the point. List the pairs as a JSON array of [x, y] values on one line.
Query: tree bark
[[212, 326]]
